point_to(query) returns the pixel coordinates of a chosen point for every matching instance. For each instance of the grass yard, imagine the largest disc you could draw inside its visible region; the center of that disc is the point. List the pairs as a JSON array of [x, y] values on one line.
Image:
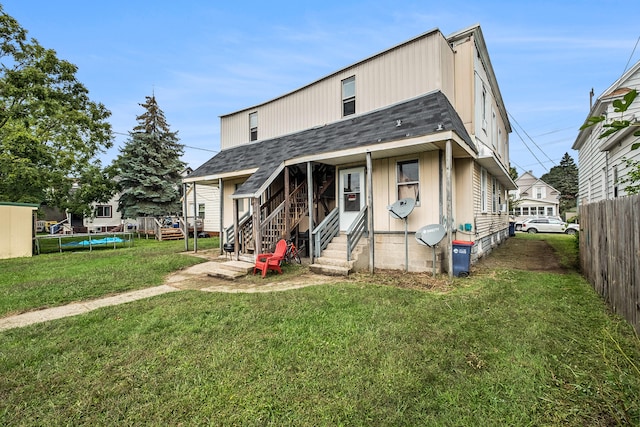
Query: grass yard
[[56, 279], [503, 347]]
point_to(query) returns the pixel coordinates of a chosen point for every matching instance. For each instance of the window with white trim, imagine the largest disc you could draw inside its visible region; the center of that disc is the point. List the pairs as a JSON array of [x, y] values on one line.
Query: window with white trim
[[483, 190], [349, 96], [201, 210], [408, 180], [494, 196]]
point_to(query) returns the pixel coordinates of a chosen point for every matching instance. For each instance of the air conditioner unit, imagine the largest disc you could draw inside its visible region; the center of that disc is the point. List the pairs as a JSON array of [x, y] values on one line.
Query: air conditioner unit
[[503, 208]]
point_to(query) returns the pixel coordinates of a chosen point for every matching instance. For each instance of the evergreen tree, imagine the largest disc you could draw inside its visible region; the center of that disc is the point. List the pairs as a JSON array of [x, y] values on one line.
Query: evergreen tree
[[149, 166], [564, 178]]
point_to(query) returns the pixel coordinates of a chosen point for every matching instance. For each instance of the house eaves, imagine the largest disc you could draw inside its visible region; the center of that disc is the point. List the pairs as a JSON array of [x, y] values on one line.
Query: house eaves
[[419, 117], [495, 168], [601, 102]]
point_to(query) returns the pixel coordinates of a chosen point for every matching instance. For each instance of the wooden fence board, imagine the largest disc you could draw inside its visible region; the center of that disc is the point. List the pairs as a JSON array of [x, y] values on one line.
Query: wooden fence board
[[610, 252]]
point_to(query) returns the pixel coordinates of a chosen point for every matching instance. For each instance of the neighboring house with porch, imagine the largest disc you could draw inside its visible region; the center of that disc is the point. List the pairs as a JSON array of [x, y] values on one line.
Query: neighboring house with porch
[[534, 197], [424, 119], [602, 161]]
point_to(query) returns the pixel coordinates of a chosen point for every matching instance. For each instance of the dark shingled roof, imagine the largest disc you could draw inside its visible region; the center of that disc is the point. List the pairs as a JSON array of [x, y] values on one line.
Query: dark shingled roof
[[420, 116]]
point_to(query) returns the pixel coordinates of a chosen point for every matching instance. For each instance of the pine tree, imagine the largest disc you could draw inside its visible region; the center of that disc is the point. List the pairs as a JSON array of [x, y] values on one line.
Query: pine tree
[[149, 166], [564, 178]]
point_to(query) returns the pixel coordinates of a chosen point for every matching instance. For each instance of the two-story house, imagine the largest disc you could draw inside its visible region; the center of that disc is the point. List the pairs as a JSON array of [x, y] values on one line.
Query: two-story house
[[533, 197], [423, 120], [602, 161]]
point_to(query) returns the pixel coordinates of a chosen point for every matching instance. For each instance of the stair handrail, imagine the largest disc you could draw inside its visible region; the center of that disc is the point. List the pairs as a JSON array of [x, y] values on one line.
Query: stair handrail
[[55, 228], [325, 231], [357, 229], [229, 231]]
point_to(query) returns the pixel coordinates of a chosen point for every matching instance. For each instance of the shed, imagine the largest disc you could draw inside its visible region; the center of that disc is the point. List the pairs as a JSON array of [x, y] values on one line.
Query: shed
[[18, 220]]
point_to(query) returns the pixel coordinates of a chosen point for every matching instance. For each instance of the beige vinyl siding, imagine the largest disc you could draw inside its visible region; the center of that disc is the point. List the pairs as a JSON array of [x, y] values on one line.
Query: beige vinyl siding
[[384, 193], [398, 74], [463, 194]]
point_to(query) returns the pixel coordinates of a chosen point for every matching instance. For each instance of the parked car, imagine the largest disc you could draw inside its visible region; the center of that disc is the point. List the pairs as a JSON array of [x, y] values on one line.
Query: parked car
[[548, 225], [518, 225]]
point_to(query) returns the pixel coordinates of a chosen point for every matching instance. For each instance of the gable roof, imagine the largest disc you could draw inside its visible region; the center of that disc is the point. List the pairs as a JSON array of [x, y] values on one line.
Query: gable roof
[[534, 181], [431, 113], [612, 92]]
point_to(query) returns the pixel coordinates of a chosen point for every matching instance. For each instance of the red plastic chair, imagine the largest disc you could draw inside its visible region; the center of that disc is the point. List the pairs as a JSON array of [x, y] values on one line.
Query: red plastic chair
[[271, 261]]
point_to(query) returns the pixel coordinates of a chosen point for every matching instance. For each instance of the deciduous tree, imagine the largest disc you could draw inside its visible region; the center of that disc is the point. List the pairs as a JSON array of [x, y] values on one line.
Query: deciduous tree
[[50, 131]]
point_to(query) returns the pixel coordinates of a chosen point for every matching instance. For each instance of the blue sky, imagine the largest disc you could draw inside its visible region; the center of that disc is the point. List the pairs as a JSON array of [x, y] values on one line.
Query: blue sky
[[203, 59]]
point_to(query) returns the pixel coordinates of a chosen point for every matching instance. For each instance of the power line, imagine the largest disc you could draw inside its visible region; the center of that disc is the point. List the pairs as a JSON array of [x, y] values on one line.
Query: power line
[[631, 56], [531, 139], [186, 146]]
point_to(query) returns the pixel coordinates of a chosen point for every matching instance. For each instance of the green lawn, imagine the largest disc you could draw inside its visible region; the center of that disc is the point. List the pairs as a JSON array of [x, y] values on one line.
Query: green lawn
[[507, 348], [55, 279]]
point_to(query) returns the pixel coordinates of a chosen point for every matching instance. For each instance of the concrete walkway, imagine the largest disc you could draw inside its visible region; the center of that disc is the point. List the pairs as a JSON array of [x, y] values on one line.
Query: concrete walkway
[[203, 276], [74, 309]]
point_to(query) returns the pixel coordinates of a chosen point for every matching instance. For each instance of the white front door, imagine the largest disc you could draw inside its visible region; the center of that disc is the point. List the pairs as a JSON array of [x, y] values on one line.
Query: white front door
[[352, 195]]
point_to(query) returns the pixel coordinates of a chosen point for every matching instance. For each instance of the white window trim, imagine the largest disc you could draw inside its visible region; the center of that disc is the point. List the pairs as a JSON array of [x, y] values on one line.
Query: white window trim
[[398, 183]]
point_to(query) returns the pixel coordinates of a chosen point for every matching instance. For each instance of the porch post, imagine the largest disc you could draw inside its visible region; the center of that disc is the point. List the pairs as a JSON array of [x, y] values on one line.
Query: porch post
[[236, 232], [310, 207], [287, 203], [370, 212], [185, 207], [195, 217], [448, 156], [221, 201], [257, 226]]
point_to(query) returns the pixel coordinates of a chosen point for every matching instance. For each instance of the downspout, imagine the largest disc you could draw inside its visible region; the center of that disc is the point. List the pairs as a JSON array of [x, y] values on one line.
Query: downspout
[[310, 207], [221, 225], [448, 156], [370, 212], [195, 223]]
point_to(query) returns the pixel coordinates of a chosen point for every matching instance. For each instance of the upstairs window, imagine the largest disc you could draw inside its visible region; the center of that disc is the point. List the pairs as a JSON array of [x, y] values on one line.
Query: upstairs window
[[253, 126], [349, 96], [103, 211], [408, 180]]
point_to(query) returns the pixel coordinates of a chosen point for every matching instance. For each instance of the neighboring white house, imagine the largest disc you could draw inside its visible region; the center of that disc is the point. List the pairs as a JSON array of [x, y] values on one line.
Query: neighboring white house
[[424, 119], [602, 163], [534, 197], [106, 217], [208, 206]]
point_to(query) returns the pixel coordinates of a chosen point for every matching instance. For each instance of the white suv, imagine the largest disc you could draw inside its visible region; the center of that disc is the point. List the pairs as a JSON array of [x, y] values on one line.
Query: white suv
[[548, 225]]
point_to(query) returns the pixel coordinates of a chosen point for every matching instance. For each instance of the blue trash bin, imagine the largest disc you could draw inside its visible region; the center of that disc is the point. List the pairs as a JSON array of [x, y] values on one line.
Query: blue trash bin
[[461, 257], [512, 228]]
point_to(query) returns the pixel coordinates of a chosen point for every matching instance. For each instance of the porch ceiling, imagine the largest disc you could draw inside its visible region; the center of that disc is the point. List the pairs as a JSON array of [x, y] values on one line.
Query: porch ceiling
[[420, 124]]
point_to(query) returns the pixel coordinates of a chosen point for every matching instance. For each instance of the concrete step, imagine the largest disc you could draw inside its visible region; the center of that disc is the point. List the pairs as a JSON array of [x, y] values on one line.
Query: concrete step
[[230, 270], [329, 270], [339, 262]]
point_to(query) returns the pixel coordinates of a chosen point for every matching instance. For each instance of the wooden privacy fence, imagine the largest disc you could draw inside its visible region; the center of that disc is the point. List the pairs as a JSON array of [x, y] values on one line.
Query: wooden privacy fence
[[610, 252]]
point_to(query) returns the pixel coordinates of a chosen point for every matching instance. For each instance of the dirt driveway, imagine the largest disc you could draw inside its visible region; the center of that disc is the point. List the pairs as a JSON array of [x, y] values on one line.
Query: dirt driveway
[[522, 254]]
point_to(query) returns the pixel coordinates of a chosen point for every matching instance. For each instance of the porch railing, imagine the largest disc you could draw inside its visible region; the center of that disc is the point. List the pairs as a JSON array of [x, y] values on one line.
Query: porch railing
[[272, 229], [325, 231], [299, 202], [230, 235], [356, 231]]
